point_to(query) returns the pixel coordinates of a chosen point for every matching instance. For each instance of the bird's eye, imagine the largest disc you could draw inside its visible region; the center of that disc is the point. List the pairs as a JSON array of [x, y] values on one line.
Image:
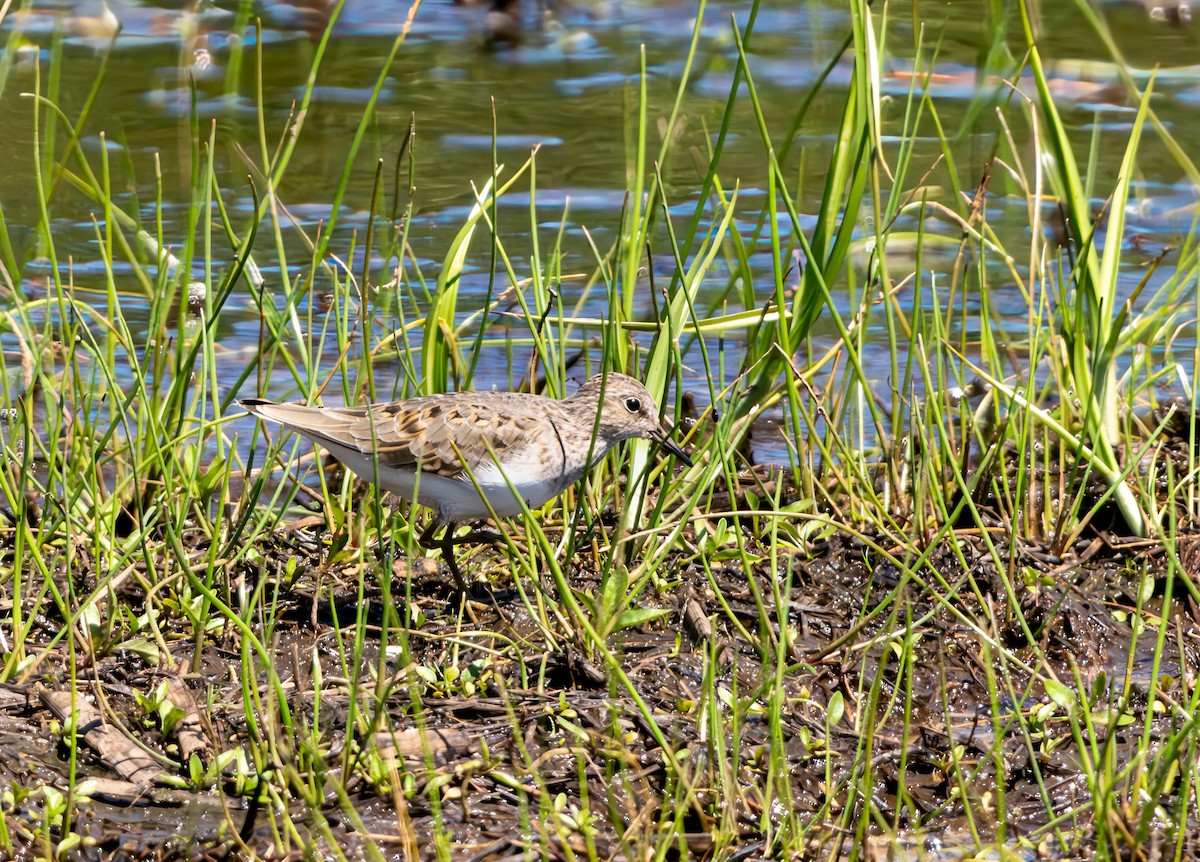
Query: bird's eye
[[633, 405]]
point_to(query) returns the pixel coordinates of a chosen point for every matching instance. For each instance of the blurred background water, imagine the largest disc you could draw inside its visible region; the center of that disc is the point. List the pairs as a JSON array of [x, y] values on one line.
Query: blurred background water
[[564, 82]]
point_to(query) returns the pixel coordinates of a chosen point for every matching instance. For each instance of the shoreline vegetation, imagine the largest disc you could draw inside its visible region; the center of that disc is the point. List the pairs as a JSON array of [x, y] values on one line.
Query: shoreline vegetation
[[961, 621]]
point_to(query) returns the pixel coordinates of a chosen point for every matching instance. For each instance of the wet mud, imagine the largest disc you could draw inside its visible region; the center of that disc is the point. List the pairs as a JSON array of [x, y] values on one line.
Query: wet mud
[[402, 718]]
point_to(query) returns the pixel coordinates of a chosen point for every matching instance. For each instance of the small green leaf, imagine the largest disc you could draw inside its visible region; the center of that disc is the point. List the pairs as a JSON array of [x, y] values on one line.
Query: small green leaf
[[835, 710], [1063, 697], [146, 649], [637, 616], [169, 716], [614, 588]]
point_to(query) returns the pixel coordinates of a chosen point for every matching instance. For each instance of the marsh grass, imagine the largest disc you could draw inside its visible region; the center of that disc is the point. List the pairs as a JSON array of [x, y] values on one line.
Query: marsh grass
[[888, 640]]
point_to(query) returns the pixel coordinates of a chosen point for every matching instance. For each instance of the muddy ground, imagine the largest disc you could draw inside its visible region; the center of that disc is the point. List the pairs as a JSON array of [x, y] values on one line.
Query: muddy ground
[[502, 757]]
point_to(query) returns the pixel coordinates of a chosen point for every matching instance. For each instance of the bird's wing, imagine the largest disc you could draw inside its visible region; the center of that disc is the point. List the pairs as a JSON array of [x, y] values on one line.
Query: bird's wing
[[434, 434]]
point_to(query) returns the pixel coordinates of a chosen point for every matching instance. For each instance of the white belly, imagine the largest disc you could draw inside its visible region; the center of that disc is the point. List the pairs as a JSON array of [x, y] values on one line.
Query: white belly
[[457, 499]]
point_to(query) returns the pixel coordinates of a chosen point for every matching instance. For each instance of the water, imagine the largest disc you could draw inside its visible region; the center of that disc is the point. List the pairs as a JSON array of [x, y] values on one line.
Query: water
[[570, 91]]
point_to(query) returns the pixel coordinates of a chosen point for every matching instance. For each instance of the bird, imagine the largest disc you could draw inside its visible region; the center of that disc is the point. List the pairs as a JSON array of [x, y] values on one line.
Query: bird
[[463, 454]]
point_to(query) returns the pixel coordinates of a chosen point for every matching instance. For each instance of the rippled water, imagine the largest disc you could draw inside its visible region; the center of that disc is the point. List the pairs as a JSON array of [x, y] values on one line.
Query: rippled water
[[569, 89]]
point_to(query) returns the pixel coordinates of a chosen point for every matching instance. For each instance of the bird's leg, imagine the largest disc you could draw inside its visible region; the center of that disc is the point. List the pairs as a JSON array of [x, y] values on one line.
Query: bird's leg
[[446, 546], [426, 540], [475, 537], [448, 541], [481, 537]]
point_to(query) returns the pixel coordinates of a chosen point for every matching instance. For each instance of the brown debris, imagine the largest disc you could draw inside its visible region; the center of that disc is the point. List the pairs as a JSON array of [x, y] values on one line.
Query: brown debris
[[695, 621], [115, 750], [190, 730], [417, 746]]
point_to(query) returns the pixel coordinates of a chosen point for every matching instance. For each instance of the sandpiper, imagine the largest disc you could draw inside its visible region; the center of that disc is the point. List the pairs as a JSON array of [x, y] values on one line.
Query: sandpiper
[[450, 451]]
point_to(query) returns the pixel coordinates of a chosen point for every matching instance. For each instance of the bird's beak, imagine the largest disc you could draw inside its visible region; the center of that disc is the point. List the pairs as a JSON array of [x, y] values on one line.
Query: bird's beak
[[673, 448]]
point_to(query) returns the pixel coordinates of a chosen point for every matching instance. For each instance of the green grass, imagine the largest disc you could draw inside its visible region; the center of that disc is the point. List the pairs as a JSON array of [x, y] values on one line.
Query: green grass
[[899, 648]]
